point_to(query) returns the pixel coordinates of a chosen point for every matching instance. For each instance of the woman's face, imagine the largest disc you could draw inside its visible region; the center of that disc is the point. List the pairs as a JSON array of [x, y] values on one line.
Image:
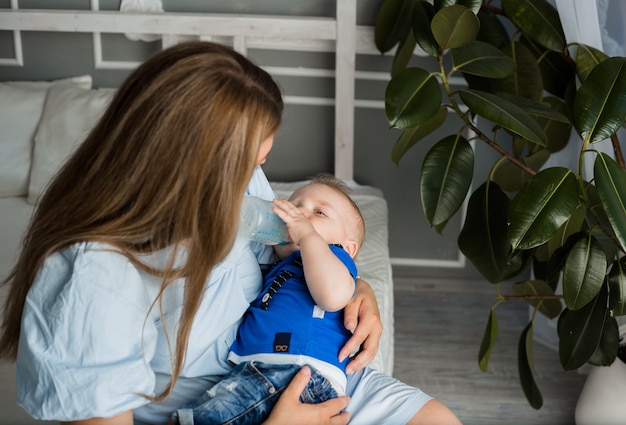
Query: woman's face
[[264, 150]]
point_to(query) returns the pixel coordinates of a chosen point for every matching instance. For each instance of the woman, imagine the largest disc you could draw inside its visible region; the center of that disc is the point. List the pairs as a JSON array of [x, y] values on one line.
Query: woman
[[131, 281]]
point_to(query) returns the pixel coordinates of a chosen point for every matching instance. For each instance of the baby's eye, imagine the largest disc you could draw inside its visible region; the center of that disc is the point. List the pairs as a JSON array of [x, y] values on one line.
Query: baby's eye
[[320, 213]]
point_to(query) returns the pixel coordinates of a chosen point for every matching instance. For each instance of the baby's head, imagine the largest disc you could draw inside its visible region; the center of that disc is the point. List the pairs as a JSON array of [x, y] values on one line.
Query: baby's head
[[335, 216]]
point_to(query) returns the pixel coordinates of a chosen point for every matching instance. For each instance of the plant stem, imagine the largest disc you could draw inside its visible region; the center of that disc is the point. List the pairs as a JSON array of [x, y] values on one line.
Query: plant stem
[[499, 149], [495, 167], [619, 157], [492, 8], [468, 122], [531, 297]]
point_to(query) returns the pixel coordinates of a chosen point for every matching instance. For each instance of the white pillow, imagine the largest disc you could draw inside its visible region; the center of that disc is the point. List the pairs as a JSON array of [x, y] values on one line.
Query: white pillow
[[21, 104], [69, 114]]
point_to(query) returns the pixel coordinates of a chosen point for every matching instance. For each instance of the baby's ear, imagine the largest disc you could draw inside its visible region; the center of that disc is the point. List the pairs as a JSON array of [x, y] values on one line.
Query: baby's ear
[[351, 247]]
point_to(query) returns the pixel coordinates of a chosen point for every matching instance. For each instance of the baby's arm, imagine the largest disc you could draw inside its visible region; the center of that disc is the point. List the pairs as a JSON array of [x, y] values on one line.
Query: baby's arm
[[330, 283]]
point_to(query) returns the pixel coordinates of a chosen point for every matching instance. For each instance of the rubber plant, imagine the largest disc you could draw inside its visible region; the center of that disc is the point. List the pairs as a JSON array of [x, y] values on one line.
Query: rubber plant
[[526, 97]]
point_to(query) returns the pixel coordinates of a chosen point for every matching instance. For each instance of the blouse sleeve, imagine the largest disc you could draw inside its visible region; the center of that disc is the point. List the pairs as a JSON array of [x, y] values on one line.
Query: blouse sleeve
[[85, 346]]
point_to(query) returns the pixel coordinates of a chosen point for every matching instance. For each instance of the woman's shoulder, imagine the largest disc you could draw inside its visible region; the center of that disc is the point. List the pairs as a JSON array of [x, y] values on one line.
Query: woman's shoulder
[[91, 269], [93, 257]]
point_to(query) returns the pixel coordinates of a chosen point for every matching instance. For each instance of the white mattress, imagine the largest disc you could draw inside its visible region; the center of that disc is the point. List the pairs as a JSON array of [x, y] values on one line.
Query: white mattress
[[373, 260]]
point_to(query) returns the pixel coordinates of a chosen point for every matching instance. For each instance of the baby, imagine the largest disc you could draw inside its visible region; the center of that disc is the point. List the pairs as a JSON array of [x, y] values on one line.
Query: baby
[[298, 317]]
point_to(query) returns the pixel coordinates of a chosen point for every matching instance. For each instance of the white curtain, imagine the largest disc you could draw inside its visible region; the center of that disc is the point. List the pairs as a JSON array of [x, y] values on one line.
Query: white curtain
[[142, 6], [597, 23]]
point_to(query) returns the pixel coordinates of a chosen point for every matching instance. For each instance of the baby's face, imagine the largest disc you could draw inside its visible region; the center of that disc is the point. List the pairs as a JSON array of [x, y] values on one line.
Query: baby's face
[[330, 213]]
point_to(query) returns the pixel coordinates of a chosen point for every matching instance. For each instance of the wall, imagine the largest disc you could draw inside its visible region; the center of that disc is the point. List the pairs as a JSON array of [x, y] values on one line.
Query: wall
[[304, 143]]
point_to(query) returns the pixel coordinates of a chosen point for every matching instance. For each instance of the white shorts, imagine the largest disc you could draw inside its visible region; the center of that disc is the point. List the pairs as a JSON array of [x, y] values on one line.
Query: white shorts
[[376, 398]]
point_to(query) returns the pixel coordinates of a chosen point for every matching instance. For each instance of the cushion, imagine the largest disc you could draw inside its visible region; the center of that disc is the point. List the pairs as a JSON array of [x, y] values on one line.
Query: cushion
[[69, 114], [21, 104]]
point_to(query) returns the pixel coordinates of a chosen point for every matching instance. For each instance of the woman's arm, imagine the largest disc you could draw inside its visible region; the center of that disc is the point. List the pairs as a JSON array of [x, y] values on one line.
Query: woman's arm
[[362, 317], [289, 410], [123, 419]]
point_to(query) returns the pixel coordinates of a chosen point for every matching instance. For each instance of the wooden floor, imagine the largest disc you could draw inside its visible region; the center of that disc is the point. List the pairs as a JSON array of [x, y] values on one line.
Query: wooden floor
[[438, 328]]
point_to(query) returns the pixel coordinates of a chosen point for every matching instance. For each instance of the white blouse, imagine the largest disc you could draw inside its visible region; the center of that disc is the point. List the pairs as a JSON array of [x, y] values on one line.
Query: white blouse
[[91, 345]]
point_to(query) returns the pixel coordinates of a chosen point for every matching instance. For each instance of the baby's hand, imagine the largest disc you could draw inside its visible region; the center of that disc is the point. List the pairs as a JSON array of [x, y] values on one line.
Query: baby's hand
[[298, 224]]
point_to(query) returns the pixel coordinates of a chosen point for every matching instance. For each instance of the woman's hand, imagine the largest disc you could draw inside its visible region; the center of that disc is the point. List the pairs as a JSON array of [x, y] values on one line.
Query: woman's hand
[[289, 409], [362, 317]]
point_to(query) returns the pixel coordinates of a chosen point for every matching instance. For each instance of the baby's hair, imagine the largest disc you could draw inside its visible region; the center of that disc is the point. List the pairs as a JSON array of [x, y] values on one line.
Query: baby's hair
[[332, 181], [341, 187]]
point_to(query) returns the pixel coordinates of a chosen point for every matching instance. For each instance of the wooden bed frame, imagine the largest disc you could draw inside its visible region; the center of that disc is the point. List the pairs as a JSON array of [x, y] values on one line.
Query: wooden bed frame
[[337, 34]]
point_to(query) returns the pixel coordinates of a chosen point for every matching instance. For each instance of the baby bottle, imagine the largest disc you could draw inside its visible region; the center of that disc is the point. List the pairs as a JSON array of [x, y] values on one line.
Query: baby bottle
[[260, 224]]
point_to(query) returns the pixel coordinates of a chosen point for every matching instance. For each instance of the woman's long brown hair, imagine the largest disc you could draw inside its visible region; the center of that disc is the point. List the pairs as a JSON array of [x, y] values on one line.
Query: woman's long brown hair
[[167, 164]]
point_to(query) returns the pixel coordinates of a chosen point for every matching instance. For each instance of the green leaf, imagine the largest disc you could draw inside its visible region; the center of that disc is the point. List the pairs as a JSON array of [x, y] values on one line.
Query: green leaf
[[473, 5], [597, 217], [512, 178], [483, 238], [580, 332], [537, 19], [572, 225], [440, 4], [403, 55], [393, 22], [411, 136], [525, 81], [489, 340], [519, 146], [503, 113], [439, 227], [550, 270], [557, 131], [617, 287], [594, 204], [587, 58], [525, 362], [556, 68], [611, 186], [423, 14], [482, 59], [551, 308], [445, 178], [569, 97], [606, 352], [542, 206], [491, 29], [478, 83], [412, 98], [454, 26], [600, 103], [583, 273], [537, 109]]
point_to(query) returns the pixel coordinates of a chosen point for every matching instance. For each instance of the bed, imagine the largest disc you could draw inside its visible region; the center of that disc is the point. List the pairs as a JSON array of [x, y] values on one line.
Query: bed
[[43, 121]]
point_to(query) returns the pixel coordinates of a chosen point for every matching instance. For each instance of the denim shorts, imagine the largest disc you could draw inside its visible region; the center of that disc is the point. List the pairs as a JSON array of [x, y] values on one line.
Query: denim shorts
[[248, 393]]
